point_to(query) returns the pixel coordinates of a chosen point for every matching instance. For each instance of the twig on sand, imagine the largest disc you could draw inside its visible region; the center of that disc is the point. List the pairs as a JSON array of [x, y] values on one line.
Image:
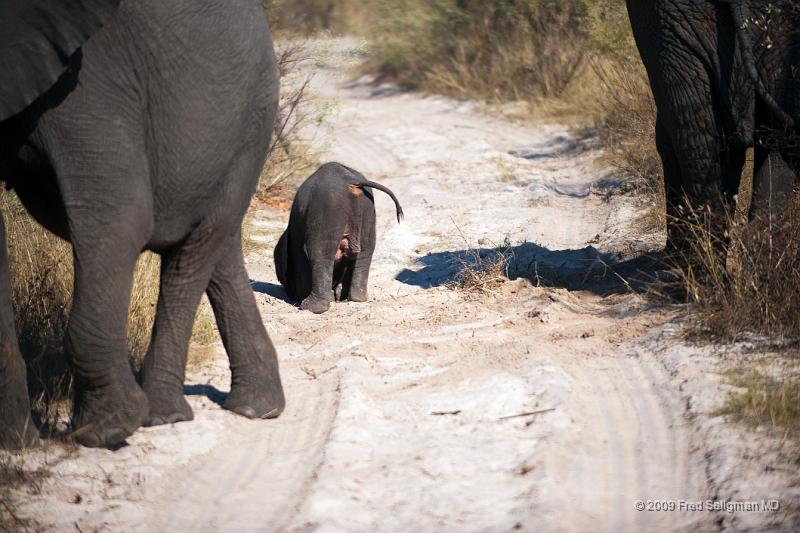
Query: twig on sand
[[529, 413], [445, 413], [313, 374], [14, 517]]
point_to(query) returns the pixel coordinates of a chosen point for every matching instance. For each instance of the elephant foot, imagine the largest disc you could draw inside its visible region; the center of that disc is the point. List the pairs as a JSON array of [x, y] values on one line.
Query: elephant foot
[[315, 305], [105, 417], [17, 430], [167, 407], [357, 295], [338, 293], [259, 398]]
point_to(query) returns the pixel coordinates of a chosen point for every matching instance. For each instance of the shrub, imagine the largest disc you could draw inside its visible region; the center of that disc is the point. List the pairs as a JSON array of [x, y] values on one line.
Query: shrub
[[288, 156], [510, 49], [755, 289], [304, 17]]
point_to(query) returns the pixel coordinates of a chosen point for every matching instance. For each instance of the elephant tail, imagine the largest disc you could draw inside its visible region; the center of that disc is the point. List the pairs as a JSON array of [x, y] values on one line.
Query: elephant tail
[[740, 20], [373, 185]]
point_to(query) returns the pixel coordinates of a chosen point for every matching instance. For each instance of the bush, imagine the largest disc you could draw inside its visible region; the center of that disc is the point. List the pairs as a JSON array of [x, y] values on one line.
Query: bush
[[510, 49], [288, 156], [625, 112], [303, 17], [755, 290]]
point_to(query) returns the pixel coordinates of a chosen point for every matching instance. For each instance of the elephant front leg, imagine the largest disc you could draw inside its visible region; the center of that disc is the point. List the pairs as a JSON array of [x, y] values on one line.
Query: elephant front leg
[[16, 427], [185, 273], [109, 404], [256, 390]]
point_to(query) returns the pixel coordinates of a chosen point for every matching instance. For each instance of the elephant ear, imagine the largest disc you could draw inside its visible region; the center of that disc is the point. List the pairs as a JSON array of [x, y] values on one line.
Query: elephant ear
[[37, 39]]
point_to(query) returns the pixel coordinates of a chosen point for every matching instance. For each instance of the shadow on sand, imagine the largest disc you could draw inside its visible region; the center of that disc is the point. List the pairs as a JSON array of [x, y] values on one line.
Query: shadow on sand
[[582, 269], [209, 391], [271, 289]]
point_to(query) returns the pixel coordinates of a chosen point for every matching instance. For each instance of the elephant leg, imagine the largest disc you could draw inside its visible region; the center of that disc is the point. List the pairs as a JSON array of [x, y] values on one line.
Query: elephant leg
[[256, 390], [300, 277], [185, 273], [732, 164], [281, 259], [773, 183], [689, 141], [342, 272], [359, 276], [109, 404], [16, 426], [322, 253], [673, 189]]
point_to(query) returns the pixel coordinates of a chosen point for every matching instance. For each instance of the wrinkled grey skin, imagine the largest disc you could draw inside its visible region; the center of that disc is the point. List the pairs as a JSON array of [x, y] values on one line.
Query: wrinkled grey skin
[[152, 139], [718, 89], [326, 250]]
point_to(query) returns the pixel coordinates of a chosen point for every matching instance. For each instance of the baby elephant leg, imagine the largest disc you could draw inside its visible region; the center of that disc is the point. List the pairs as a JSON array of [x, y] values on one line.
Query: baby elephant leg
[[357, 290], [342, 269], [358, 278], [321, 255]]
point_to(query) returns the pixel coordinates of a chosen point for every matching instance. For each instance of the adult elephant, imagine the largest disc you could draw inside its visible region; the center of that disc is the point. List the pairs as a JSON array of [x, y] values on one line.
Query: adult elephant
[[130, 126], [723, 75]]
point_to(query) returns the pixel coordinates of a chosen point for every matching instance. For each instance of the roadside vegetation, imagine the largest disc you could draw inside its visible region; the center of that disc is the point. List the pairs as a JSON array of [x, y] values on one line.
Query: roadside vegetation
[[576, 61]]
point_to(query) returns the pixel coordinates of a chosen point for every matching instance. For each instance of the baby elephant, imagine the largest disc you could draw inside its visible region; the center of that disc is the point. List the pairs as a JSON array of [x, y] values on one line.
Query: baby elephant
[[327, 249]]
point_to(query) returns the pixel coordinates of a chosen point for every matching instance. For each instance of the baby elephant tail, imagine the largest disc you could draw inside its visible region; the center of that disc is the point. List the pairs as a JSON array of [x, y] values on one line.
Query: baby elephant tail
[[380, 187]]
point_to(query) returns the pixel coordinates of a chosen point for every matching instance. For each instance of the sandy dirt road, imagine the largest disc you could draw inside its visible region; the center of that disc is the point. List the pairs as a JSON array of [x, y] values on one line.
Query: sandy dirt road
[[408, 412]]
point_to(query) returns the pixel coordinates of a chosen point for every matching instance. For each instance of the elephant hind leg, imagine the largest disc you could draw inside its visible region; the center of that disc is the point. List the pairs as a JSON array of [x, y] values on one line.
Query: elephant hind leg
[[256, 390], [342, 273], [185, 272], [16, 427]]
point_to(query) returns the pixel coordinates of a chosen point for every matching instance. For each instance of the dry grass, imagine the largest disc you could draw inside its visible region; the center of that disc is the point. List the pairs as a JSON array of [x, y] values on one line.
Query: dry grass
[[771, 402], [305, 17], [505, 50], [289, 157], [752, 291], [481, 270]]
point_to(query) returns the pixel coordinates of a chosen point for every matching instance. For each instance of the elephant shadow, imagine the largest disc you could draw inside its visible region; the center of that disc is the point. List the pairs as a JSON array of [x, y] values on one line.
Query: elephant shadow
[[273, 290], [209, 391], [585, 269], [560, 146]]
